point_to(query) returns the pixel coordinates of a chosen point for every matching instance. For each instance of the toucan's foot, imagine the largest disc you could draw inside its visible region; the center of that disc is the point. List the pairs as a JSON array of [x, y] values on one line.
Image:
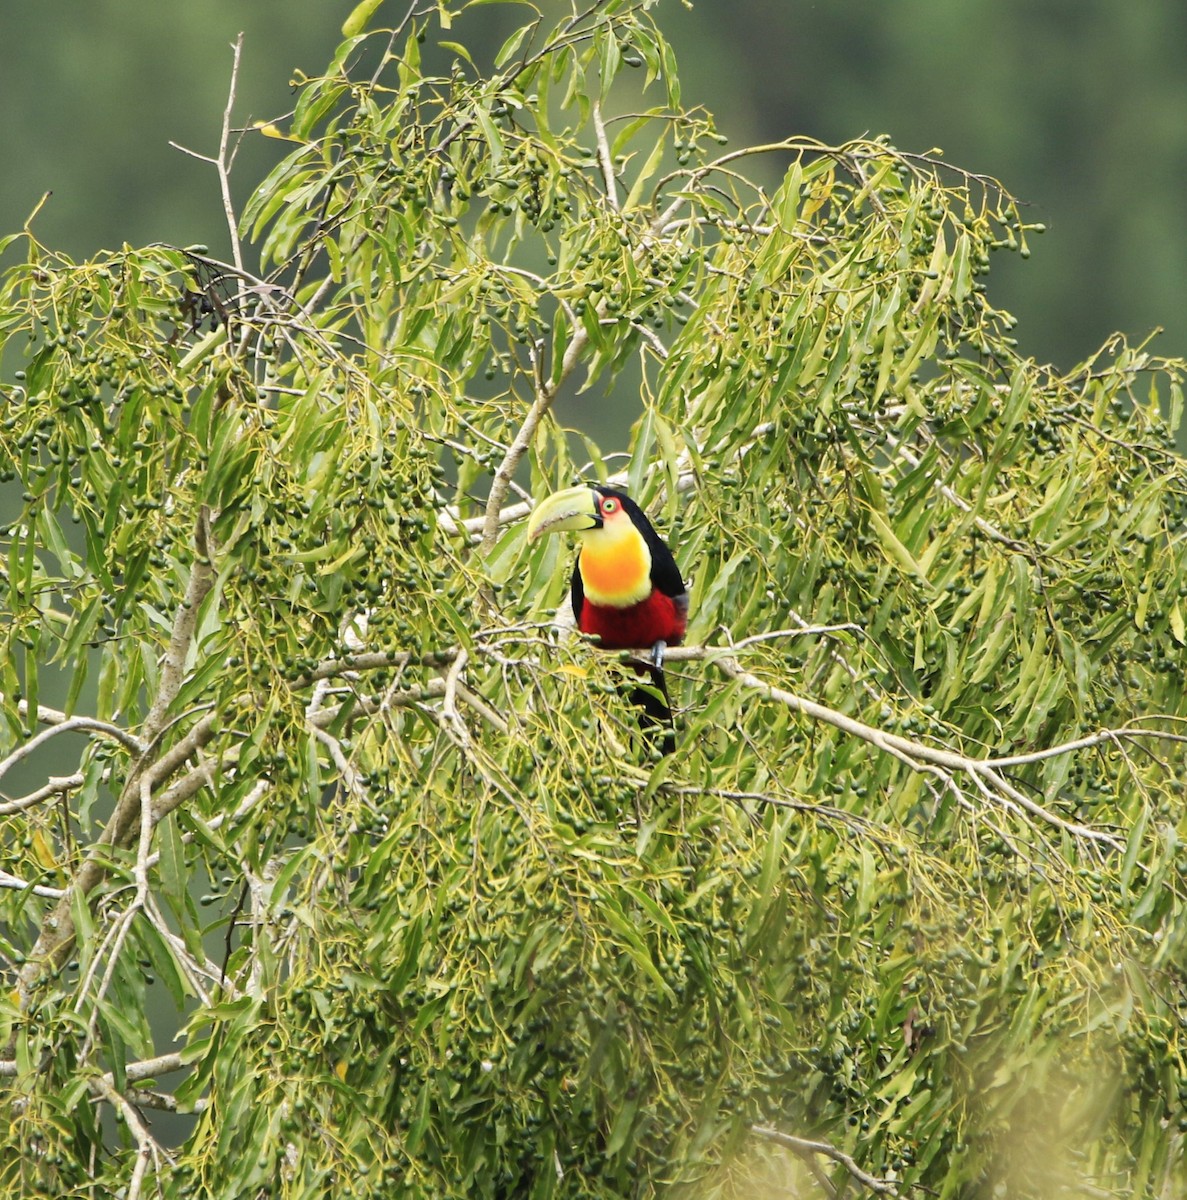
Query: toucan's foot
[[657, 653]]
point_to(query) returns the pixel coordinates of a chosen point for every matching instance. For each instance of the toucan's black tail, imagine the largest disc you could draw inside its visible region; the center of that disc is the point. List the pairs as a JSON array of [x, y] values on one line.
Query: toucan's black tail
[[655, 709]]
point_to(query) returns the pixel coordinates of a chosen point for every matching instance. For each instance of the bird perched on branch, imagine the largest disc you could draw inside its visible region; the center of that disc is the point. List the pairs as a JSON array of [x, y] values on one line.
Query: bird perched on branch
[[626, 590]]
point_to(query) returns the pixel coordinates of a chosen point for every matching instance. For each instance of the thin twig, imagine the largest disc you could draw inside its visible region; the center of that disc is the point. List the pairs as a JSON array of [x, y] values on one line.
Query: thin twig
[[483, 709], [449, 704], [804, 631], [546, 390], [475, 527], [224, 159]]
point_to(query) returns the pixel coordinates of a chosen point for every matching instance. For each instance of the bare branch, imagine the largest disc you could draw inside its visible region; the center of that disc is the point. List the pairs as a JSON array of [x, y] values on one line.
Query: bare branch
[[804, 631], [807, 1147], [163, 1101], [954, 498], [921, 755], [113, 944], [151, 1068], [483, 709], [475, 527], [173, 667], [449, 706], [148, 1149], [649, 336], [204, 775], [545, 394], [374, 661], [184, 748], [546, 390], [899, 746], [225, 157], [368, 706], [71, 725], [56, 785], [55, 716], [604, 159], [56, 935], [12, 883], [134, 1072]]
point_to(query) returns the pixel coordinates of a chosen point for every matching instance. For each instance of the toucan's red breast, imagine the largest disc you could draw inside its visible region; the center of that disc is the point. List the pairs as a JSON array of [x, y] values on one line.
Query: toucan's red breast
[[657, 618]]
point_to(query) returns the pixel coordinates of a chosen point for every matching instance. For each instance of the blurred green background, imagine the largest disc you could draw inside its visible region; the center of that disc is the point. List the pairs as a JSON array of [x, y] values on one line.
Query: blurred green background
[[1077, 106]]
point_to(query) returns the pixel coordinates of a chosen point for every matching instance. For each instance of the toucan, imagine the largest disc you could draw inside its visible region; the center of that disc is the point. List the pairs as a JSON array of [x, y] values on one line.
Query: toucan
[[627, 590]]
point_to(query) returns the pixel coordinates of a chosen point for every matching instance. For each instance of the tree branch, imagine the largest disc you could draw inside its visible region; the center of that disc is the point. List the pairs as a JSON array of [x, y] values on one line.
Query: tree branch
[[807, 1148], [148, 1149], [56, 936], [546, 390], [917, 755], [604, 159], [173, 667], [921, 756], [13, 883], [912, 752], [56, 785], [71, 725], [134, 1072], [545, 394], [225, 158]]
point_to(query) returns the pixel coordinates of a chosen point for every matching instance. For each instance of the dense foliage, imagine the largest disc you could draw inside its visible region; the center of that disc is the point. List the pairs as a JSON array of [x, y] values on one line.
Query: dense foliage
[[295, 765]]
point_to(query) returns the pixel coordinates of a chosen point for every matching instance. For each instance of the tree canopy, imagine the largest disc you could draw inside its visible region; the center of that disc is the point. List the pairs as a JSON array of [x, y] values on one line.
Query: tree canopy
[[318, 834]]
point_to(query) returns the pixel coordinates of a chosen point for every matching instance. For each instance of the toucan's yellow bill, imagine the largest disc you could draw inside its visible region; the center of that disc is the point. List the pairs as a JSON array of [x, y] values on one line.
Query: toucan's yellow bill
[[575, 508]]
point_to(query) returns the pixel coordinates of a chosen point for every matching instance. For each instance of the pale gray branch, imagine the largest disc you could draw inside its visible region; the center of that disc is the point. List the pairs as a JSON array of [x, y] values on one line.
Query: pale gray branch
[[134, 1072], [604, 159], [71, 725], [226, 156], [13, 883], [57, 785], [899, 746], [807, 1146], [545, 393], [184, 624], [148, 1149]]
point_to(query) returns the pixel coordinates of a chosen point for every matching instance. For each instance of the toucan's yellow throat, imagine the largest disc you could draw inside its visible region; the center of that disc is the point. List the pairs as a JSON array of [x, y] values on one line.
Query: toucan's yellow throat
[[615, 564]]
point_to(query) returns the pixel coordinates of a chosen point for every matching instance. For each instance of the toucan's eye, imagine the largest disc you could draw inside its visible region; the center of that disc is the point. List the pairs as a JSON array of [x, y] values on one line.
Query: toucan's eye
[[609, 505]]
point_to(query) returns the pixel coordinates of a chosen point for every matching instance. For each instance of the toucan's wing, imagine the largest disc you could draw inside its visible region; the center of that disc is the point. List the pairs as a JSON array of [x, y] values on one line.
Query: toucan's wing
[[665, 574]]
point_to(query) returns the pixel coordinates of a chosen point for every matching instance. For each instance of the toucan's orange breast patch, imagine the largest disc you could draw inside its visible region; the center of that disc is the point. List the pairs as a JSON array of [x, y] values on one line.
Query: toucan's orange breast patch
[[616, 567]]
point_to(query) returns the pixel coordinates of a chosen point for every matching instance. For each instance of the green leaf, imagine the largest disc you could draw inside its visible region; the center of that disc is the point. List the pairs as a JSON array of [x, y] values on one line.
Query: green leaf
[[895, 550], [510, 47], [359, 18]]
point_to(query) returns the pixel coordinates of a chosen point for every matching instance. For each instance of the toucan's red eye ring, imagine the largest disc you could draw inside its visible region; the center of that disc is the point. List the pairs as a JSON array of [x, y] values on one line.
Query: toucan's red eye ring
[[609, 506]]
